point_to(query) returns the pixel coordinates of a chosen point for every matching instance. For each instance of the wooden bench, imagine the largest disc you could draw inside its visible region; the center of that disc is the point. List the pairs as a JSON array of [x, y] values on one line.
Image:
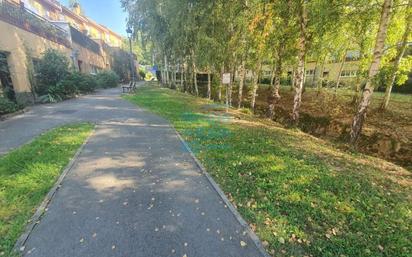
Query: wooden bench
[[130, 87]]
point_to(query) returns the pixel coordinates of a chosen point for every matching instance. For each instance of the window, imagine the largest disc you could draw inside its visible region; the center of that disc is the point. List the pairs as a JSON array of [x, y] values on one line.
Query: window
[[310, 72], [35, 62], [267, 73], [352, 56], [348, 73]]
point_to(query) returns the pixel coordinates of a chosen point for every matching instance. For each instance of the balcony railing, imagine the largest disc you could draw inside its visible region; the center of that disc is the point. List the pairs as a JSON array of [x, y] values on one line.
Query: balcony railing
[[84, 41], [20, 17]]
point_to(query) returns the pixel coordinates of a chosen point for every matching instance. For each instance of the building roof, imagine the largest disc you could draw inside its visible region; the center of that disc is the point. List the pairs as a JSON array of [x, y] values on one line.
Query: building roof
[[86, 19]]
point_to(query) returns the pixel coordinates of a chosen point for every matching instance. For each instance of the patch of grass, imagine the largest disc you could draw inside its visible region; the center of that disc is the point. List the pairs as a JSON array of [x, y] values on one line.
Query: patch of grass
[[300, 194], [28, 173]]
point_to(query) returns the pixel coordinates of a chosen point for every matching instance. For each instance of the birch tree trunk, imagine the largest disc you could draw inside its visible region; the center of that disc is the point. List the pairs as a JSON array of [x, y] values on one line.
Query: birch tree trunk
[[219, 93], [195, 73], [300, 76], [161, 76], [358, 81], [181, 78], [242, 75], [342, 64], [166, 72], [172, 76], [272, 77], [175, 76], [315, 70], [399, 55], [195, 80], [275, 96], [255, 85], [319, 81], [360, 115], [209, 84], [230, 86], [186, 82]]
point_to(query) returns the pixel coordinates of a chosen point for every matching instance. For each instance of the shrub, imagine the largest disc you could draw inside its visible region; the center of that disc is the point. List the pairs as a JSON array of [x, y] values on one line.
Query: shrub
[[107, 79], [85, 83], [121, 64], [51, 69], [53, 95], [142, 73], [7, 106]]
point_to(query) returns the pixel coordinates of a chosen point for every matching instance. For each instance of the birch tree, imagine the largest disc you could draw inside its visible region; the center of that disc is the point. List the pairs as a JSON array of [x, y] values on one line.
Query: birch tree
[[400, 54], [360, 115]]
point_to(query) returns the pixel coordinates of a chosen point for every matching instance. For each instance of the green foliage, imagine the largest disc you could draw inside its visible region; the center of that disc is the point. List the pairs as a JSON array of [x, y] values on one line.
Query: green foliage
[[141, 48], [304, 196], [121, 64], [28, 173], [84, 83], [107, 79], [52, 68], [7, 106], [73, 84], [3, 63], [142, 73]]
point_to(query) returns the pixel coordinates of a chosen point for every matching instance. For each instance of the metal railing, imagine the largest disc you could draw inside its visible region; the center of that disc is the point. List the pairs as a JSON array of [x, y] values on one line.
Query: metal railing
[[84, 41], [24, 19]]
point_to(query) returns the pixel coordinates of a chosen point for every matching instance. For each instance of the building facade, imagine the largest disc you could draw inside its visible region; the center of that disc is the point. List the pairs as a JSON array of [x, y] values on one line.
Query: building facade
[[29, 27]]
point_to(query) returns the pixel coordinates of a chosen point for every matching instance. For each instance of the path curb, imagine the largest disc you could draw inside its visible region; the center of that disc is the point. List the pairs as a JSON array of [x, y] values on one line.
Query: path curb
[[14, 114], [35, 219], [222, 195]]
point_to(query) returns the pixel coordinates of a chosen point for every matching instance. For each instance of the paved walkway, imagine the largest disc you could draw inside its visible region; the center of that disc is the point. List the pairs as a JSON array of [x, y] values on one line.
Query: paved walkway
[[133, 191]]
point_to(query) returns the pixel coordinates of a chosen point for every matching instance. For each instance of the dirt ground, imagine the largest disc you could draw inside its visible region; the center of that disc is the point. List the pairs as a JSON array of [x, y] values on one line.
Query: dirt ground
[[386, 134]]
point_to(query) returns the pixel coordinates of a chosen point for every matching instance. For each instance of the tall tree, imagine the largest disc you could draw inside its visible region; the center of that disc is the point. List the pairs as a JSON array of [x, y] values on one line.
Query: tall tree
[[360, 115], [400, 53], [302, 47]]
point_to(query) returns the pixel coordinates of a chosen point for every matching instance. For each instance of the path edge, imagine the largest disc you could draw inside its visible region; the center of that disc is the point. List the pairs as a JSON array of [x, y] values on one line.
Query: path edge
[[222, 195], [35, 219]]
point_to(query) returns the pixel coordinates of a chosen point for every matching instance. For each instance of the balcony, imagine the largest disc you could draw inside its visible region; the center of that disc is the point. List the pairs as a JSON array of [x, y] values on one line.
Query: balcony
[[22, 18], [84, 41]]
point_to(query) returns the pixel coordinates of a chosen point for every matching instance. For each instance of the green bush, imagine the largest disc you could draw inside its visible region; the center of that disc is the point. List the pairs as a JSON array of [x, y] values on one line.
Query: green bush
[[107, 79], [121, 64], [84, 83], [53, 95], [7, 106], [142, 73], [52, 68]]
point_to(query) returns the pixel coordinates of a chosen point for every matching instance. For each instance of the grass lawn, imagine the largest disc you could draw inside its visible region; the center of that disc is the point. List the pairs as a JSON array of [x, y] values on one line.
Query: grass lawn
[[301, 195], [28, 173]]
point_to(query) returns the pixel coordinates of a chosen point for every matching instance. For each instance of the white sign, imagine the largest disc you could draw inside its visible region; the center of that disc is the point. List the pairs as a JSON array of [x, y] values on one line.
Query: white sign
[[226, 78]]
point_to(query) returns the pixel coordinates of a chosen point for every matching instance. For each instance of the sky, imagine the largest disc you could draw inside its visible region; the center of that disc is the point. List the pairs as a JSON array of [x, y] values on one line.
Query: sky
[[106, 12]]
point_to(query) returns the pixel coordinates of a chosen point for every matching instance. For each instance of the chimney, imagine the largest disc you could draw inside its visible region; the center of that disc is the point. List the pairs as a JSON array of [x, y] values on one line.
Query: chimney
[[76, 9]]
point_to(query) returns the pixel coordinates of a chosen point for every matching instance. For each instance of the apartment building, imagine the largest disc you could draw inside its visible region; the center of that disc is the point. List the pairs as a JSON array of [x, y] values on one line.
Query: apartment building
[[29, 27], [329, 73]]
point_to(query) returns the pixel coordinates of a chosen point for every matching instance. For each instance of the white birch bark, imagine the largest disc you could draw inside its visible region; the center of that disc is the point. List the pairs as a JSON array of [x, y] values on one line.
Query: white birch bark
[[342, 64], [360, 115], [300, 73], [242, 75], [399, 55], [255, 85]]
